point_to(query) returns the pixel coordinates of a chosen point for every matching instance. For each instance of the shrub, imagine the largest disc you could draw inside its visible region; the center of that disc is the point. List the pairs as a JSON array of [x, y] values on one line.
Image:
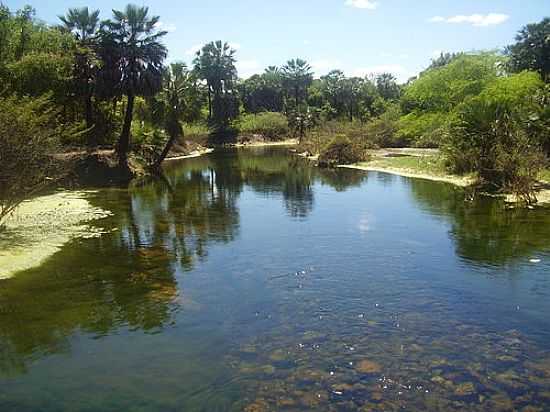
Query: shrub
[[424, 129], [271, 125], [29, 137], [383, 131], [342, 151], [495, 136]]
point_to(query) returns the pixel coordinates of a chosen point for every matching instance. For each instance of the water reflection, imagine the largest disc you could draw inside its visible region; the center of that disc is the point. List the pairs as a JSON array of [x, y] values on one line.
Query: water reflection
[[484, 231], [236, 312]]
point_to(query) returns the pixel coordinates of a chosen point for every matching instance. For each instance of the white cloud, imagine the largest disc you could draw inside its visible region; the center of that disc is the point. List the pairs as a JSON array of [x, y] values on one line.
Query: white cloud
[[362, 4], [399, 71], [169, 27], [479, 20], [247, 68], [323, 66]]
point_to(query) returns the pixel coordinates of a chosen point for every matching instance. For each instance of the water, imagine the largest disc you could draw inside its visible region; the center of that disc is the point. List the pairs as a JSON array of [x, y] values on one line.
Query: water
[[248, 280]]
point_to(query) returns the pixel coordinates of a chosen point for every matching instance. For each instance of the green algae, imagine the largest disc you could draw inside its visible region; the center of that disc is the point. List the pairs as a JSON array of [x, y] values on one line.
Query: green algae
[[39, 227]]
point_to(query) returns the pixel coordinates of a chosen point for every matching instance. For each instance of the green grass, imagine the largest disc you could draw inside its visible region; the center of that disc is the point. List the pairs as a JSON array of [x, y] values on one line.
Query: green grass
[[545, 175], [433, 164], [273, 126]]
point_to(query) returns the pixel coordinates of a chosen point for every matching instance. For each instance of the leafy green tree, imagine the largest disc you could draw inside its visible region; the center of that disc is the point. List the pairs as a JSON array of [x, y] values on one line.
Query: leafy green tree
[[84, 25], [172, 104], [263, 93], [215, 63], [134, 62], [494, 134], [387, 86], [532, 49], [297, 77]]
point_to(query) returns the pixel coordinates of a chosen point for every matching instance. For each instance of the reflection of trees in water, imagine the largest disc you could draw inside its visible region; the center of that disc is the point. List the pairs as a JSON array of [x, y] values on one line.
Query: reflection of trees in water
[[483, 230], [127, 278]]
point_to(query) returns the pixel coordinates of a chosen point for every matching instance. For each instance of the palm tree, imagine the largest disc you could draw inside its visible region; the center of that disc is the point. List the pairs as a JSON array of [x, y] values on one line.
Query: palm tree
[[81, 23], [175, 83], [297, 77], [135, 64], [84, 25], [215, 63]]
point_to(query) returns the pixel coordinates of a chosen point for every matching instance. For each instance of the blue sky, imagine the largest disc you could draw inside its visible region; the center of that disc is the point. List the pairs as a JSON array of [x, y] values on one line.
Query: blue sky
[[356, 36]]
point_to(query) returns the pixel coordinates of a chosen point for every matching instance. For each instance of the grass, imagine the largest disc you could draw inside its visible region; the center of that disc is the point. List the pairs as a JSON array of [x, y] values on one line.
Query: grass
[[545, 175], [430, 164], [423, 164]]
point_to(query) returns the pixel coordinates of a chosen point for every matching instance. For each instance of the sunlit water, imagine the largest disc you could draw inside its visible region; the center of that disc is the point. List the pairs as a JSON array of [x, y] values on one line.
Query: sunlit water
[[248, 280]]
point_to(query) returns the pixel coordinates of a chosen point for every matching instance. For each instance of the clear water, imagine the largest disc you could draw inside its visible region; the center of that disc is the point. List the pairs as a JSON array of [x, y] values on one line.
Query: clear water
[[248, 280]]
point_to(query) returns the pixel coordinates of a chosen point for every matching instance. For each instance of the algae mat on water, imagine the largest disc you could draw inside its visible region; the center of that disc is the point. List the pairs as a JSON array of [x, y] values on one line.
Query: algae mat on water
[[41, 226]]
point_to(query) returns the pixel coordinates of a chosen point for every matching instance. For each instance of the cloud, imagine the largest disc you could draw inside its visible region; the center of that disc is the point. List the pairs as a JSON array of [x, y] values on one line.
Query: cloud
[[362, 4], [400, 72], [478, 20], [247, 68], [169, 27]]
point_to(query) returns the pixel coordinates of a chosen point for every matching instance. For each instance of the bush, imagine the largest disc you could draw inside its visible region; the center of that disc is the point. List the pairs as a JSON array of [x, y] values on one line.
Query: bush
[[29, 137], [495, 135], [271, 125], [383, 131], [424, 129], [342, 151]]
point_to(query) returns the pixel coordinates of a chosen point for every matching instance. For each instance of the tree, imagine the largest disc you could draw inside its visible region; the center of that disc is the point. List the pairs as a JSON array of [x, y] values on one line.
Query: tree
[[387, 86], [532, 49], [28, 139], [84, 25], [134, 62], [215, 63], [172, 99], [261, 93], [495, 134], [297, 77]]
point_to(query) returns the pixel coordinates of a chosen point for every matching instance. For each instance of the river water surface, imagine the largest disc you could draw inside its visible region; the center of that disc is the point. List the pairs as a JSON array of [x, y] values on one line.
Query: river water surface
[[248, 280]]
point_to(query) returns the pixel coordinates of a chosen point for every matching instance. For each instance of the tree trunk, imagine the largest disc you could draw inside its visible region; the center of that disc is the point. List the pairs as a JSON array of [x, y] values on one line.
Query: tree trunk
[[165, 151], [124, 141], [89, 120], [209, 103]]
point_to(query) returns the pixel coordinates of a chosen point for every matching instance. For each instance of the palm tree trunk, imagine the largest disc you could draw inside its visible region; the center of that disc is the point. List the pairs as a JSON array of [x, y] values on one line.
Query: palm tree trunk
[[89, 120], [165, 151], [124, 141]]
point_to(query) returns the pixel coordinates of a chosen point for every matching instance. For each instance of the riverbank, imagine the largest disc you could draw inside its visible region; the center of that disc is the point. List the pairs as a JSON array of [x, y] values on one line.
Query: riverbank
[[410, 162], [429, 164], [39, 227]]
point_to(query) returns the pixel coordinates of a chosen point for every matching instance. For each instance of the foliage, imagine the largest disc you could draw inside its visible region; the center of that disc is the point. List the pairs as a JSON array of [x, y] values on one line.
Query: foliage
[[423, 129], [383, 130], [29, 136], [271, 125], [133, 57], [342, 151], [532, 49], [215, 63], [297, 77], [493, 134]]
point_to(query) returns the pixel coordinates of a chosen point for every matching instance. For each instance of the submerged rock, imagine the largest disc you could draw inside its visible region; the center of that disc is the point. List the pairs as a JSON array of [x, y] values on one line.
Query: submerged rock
[[367, 366]]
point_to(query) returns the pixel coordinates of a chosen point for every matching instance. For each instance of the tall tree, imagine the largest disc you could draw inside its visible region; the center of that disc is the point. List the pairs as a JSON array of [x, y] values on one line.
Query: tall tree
[[84, 25], [172, 99], [387, 86], [532, 49], [215, 63], [135, 55], [297, 77]]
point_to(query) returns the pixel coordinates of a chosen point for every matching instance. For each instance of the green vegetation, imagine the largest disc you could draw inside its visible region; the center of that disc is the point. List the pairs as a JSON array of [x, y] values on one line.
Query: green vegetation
[[108, 79]]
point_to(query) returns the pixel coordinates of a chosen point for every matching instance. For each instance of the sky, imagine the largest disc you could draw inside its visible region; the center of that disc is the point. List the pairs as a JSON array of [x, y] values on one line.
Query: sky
[[359, 37]]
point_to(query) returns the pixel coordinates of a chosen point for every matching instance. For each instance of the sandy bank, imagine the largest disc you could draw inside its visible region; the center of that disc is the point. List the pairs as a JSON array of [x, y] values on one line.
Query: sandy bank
[[41, 226], [461, 181]]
